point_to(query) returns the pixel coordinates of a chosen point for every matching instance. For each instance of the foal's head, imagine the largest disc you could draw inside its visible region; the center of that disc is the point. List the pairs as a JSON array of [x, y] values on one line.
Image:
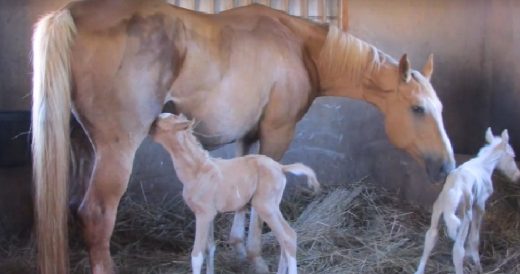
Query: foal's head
[[168, 129], [501, 149]]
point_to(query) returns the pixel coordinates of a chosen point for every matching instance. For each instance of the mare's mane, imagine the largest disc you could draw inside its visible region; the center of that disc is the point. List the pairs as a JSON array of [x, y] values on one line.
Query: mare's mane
[[344, 55]]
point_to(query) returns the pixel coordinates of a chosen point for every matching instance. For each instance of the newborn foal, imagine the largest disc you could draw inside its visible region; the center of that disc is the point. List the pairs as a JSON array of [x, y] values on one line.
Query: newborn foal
[[214, 185], [466, 189]]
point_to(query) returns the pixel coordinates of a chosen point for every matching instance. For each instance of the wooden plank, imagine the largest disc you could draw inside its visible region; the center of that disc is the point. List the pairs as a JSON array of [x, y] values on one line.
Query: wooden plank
[[322, 10]]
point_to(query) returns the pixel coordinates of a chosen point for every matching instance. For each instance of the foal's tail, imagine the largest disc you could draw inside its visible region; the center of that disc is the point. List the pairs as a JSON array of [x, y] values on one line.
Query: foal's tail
[[52, 40], [301, 169]]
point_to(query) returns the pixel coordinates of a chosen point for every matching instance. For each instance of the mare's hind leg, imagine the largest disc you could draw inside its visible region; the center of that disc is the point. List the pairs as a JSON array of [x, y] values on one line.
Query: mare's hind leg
[[99, 207], [82, 159], [237, 233]]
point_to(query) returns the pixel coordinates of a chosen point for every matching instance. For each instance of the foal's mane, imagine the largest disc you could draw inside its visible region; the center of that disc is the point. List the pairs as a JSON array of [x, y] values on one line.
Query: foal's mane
[[344, 55], [488, 148], [192, 143]]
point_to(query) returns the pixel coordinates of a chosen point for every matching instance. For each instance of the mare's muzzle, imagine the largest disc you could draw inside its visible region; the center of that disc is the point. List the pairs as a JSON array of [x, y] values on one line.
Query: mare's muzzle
[[438, 169]]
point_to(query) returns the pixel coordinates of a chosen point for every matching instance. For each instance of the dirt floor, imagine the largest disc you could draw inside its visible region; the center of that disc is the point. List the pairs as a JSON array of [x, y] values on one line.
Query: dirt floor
[[357, 228]]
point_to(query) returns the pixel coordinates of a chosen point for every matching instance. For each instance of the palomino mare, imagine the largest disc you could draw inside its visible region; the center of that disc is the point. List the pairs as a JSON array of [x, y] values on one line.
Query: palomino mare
[[246, 74]]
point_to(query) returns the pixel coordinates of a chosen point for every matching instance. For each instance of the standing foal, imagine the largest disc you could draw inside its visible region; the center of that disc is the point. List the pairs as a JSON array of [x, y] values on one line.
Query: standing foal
[[214, 185], [466, 189]]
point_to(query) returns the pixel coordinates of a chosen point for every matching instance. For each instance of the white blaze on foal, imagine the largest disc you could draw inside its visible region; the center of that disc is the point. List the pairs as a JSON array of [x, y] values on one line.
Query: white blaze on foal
[[214, 185], [466, 190]]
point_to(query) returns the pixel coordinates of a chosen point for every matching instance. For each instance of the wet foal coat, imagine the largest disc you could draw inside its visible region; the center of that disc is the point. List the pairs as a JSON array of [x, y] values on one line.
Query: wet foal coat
[[466, 191]]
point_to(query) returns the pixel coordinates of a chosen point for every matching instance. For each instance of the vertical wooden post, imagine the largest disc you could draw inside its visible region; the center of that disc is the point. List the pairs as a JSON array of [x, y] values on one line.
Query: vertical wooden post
[[226, 4], [285, 4], [343, 15], [322, 10], [304, 8]]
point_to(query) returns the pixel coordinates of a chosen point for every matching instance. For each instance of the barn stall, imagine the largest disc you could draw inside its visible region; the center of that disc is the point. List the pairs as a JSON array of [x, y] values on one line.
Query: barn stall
[[475, 69]]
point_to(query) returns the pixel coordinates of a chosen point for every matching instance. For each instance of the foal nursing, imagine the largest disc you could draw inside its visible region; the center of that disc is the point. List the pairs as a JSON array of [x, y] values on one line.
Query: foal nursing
[[214, 185], [466, 190]]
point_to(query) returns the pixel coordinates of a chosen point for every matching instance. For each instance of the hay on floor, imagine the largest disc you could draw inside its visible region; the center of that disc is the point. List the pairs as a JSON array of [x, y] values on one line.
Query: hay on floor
[[357, 228]]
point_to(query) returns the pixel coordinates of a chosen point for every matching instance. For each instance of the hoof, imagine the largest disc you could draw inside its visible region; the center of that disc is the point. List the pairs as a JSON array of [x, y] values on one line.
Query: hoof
[[260, 265], [240, 249]]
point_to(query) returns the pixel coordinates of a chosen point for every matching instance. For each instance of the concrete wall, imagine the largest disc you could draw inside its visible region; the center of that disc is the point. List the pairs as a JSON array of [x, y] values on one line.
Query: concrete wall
[[475, 43]]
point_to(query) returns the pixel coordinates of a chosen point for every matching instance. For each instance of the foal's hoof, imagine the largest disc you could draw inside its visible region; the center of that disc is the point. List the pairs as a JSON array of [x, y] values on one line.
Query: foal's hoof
[[260, 265], [240, 250]]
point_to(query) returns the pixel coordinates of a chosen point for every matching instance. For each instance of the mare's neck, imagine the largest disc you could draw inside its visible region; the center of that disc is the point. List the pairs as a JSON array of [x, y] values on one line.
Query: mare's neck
[[349, 67]]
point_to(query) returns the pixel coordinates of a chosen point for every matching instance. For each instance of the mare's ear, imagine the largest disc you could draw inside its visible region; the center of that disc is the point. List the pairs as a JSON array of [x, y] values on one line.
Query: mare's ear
[[505, 136], [489, 135], [405, 71], [428, 67]]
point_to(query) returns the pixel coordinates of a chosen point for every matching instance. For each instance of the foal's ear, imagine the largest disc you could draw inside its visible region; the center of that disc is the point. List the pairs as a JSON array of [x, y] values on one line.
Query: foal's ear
[[428, 67], [505, 136], [489, 135], [183, 125], [405, 72]]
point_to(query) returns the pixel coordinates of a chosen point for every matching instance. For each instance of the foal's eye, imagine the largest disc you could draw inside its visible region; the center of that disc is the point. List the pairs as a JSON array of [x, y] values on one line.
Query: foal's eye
[[418, 109]]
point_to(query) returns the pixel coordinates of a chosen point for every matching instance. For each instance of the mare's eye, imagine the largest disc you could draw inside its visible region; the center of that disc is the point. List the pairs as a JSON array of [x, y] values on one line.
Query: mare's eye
[[418, 109]]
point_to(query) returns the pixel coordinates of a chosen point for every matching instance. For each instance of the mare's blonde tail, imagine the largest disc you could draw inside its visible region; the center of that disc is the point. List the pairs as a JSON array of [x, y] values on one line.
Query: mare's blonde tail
[[52, 40], [301, 169]]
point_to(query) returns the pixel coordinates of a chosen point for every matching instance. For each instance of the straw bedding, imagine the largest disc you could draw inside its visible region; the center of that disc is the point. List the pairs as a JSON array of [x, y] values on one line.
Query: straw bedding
[[355, 228]]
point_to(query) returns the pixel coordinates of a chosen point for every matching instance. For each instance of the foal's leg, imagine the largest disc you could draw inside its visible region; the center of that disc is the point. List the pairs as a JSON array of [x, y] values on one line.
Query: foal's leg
[[274, 141], [431, 237], [210, 260], [458, 246], [474, 237], [203, 223], [283, 232], [254, 243]]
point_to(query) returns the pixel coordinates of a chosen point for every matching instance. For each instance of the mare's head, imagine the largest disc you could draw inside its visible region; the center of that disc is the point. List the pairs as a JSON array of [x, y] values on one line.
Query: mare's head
[[351, 67], [501, 148], [413, 115], [169, 128]]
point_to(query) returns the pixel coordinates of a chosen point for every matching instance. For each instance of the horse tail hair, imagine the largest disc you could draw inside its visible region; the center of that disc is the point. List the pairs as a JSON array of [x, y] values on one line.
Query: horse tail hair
[[52, 40], [301, 169]]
